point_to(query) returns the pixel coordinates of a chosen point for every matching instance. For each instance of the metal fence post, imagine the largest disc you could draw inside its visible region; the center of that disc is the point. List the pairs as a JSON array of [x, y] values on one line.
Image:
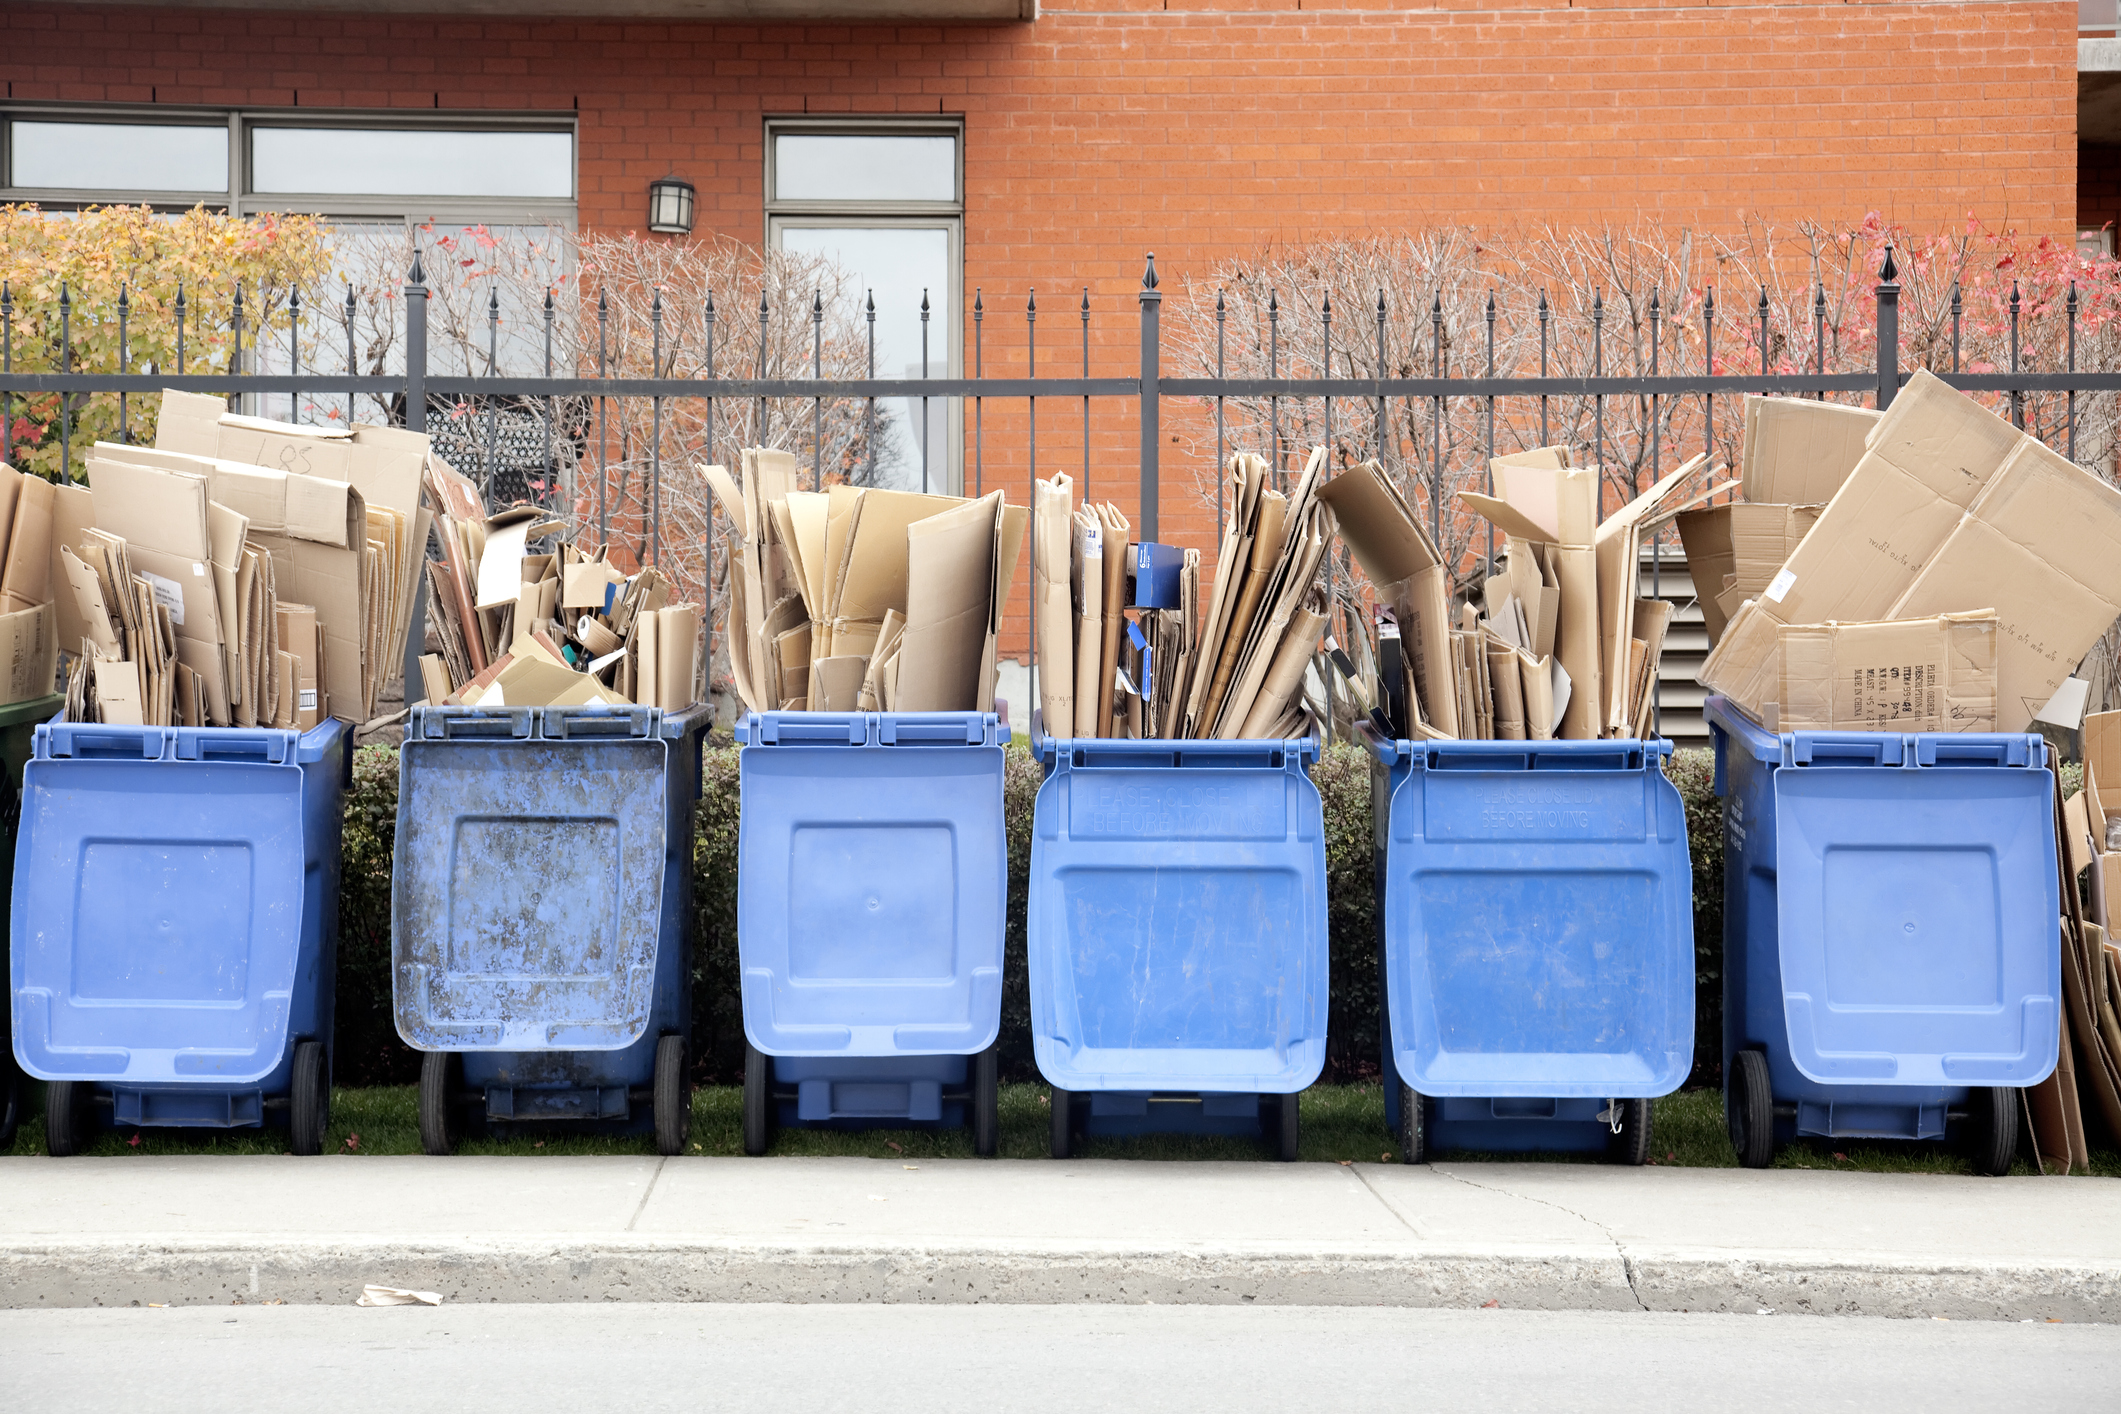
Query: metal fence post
[[1152, 378], [1888, 296], [416, 346]]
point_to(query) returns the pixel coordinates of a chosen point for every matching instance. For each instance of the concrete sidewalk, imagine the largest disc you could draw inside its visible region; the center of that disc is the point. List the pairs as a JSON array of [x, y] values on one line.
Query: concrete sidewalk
[[186, 1230]]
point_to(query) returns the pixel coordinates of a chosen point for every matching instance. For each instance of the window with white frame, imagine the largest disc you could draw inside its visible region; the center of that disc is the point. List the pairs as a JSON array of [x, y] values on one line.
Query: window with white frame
[[382, 181], [883, 201]]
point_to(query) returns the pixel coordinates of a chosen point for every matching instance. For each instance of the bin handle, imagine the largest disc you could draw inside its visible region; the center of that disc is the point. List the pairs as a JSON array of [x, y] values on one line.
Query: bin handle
[[96, 739], [472, 723], [232, 744], [570, 723]]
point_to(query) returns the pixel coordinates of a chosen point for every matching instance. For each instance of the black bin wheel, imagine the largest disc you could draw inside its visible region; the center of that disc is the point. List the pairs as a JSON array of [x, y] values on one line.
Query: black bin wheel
[[309, 1099], [1063, 1122], [69, 1117], [10, 1101], [986, 1116], [673, 1096], [1413, 1125], [1749, 1109], [1992, 1129], [441, 1095], [759, 1108], [1630, 1145], [1284, 1131]]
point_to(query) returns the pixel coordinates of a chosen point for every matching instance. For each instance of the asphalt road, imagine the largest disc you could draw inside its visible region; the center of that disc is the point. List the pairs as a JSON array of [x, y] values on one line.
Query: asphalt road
[[527, 1359]]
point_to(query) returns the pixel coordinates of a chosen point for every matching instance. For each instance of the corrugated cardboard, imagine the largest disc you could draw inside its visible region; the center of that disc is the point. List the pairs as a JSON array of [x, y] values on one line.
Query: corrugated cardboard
[[1745, 542], [1798, 452], [29, 653], [1928, 460], [949, 595], [26, 578], [2041, 544], [1919, 675], [298, 637], [73, 511], [1402, 562], [1574, 497]]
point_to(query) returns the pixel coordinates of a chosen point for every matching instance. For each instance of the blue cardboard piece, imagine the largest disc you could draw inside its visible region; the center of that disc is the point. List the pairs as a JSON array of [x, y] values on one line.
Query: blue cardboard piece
[[1156, 575]]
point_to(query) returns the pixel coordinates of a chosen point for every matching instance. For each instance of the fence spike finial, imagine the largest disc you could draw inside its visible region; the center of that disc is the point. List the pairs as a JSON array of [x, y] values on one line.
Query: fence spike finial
[[1219, 311], [418, 275], [817, 304], [1031, 303], [871, 305], [1889, 272], [548, 299], [1763, 302], [1086, 304], [1149, 274]]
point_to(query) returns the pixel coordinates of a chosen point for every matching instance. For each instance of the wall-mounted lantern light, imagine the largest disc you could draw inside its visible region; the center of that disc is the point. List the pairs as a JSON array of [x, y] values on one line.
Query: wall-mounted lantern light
[[670, 207]]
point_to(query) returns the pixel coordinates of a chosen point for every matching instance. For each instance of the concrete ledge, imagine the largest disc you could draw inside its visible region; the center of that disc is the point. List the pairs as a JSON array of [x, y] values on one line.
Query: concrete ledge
[[326, 1271]]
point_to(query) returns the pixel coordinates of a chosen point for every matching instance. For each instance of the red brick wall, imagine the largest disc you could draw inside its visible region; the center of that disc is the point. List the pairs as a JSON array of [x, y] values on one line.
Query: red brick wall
[[1205, 133]]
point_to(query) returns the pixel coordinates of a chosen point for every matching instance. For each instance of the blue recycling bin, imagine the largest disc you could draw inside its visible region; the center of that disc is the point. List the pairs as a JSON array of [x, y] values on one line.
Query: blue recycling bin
[[175, 927], [541, 909], [872, 889], [1177, 937], [1536, 939], [1891, 932]]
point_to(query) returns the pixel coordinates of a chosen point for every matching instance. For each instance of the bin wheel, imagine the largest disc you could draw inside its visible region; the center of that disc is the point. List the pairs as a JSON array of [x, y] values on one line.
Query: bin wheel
[[1992, 1129], [1631, 1146], [986, 1100], [10, 1102], [1278, 1117], [1063, 1121], [1413, 1125], [441, 1086], [1749, 1109], [309, 1101], [759, 1109], [69, 1117], [673, 1096]]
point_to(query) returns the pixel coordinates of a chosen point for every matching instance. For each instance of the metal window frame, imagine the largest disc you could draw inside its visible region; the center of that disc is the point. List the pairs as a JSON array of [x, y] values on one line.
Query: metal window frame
[[890, 215], [240, 200]]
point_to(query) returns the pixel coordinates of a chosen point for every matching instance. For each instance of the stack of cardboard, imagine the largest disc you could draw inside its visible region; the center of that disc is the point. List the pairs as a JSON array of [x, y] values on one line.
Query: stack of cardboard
[[1568, 646], [563, 627], [172, 562], [1956, 549], [2090, 1056], [1229, 665], [29, 635], [853, 599]]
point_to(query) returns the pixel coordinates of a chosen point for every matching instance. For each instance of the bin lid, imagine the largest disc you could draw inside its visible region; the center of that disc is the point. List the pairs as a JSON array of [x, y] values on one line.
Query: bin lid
[[1918, 916], [527, 890], [1177, 917], [157, 915], [872, 882], [1538, 920]]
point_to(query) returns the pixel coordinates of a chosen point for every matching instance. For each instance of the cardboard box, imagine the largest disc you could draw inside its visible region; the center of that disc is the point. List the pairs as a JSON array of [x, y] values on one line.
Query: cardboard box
[[1935, 674], [2041, 544], [1564, 501], [1733, 553], [1798, 452], [1402, 562], [29, 653], [1929, 458]]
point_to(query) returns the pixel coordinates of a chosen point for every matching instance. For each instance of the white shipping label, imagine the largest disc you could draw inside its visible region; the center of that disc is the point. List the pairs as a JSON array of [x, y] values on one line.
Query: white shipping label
[[1094, 543], [1780, 585], [168, 593], [307, 699]]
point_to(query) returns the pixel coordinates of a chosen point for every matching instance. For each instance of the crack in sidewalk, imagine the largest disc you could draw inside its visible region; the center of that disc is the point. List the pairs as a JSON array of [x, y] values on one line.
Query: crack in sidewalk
[[1386, 1203], [1627, 1263], [642, 1206]]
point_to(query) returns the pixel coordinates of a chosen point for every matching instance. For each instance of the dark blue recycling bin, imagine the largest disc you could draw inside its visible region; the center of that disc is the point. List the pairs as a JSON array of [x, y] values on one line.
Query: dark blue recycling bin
[[175, 926], [1177, 936], [1536, 941], [872, 890], [541, 909], [1892, 937]]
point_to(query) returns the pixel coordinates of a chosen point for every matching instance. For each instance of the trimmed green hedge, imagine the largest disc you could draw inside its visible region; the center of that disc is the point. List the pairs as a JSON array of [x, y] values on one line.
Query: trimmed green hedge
[[369, 1052]]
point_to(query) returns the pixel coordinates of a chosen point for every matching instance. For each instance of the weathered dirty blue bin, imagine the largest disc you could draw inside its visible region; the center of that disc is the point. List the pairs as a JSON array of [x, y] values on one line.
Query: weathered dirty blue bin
[[1536, 943], [872, 890], [175, 926], [1177, 936], [541, 910], [1892, 934]]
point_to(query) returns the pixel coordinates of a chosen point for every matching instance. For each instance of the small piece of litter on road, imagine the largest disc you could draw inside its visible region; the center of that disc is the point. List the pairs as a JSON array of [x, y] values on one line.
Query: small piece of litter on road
[[878, 1198], [1764, 1311], [1345, 1163], [911, 1168], [158, 1305], [1490, 1305], [1384, 1158], [373, 1295]]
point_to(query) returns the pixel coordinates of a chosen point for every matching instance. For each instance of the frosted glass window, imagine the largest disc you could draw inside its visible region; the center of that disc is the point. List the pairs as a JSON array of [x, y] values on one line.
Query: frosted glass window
[[849, 167], [110, 156], [411, 162]]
